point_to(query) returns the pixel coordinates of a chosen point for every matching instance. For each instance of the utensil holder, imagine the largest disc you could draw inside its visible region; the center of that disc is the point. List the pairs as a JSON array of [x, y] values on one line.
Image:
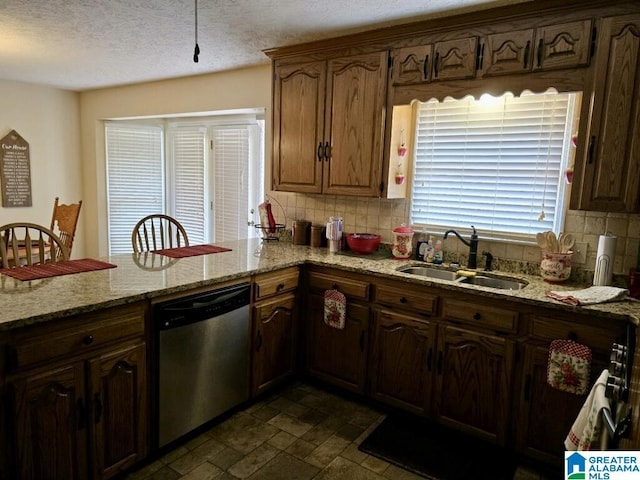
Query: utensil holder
[[555, 267]]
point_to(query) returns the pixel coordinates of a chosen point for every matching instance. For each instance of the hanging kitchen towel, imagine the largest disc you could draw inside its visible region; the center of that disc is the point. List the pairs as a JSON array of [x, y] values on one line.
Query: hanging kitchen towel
[[590, 295], [335, 309], [569, 366], [587, 431]]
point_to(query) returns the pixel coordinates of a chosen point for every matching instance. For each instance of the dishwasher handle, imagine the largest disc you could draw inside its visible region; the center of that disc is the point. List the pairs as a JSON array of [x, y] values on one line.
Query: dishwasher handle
[[201, 307]]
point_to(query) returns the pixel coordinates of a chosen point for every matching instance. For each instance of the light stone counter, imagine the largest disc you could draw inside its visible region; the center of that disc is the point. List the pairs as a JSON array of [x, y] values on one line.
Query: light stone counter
[[143, 277]]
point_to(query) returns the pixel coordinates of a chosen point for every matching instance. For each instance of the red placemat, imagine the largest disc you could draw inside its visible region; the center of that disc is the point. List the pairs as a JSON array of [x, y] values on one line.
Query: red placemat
[[46, 270], [181, 252]]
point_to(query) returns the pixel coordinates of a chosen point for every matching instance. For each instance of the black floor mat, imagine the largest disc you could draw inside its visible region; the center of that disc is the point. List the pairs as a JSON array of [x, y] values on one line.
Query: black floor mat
[[436, 452]]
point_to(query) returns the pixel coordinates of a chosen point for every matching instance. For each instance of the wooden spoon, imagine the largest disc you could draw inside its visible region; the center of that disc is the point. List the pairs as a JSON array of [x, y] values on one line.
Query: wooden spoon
[[552, 242], [566, 241], [542, 242]]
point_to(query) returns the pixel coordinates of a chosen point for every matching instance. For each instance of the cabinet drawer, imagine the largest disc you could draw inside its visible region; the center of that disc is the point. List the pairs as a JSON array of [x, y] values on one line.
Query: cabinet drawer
[[480, 315], [422, 303], [41, 343], [549, 328], [276, 283], [349, 287]]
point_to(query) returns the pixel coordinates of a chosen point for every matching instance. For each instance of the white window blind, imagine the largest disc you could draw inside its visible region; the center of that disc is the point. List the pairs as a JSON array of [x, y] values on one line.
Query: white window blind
[[497, 165], [231, 172], [188, 149], [135, 179]]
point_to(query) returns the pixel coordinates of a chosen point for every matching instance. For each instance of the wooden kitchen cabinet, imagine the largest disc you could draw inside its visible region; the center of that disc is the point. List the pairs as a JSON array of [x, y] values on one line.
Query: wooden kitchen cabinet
[[275, 329], [401, 365], [445, 60], [329, 120], [338, 356], [78, 396], [607, 176], [545, 414]]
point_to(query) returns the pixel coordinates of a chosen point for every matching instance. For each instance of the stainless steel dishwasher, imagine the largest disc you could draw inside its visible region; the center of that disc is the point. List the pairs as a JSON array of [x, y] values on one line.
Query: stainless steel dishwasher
[[202, 359]]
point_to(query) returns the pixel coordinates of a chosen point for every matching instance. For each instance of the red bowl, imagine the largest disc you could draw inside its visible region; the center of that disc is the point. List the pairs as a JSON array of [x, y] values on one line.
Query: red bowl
[[363, 243]]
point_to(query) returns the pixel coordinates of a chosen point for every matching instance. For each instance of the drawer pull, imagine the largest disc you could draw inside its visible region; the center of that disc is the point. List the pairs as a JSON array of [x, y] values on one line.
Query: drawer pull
[[477, 316], [280, 286], [88, 340], [334, 286], [403, 300]]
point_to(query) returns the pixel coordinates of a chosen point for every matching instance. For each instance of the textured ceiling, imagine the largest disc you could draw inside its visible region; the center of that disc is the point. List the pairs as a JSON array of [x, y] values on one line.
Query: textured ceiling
[[86, 44]]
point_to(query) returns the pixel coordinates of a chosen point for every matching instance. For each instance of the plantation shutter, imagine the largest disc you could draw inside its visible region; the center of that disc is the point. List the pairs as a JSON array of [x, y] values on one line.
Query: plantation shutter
[[498, 167]]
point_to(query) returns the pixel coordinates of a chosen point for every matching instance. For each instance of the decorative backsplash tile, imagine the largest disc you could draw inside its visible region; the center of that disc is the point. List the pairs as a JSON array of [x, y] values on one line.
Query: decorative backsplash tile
[[378, 215]]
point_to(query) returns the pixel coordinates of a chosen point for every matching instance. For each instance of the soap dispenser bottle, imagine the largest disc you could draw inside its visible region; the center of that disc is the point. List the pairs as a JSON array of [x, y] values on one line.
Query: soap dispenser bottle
[[428, 251], [438, 254]]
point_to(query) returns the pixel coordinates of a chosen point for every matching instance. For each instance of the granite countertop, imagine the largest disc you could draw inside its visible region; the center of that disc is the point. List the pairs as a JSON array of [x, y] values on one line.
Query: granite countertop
[[145, 276]]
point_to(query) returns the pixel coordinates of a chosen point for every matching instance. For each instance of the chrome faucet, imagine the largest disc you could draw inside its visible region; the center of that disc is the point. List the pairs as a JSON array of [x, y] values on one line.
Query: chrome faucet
[[472, 244]]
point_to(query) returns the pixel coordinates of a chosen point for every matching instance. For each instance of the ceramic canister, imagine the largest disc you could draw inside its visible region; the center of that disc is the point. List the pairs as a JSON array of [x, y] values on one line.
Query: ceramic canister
[[402, 242]]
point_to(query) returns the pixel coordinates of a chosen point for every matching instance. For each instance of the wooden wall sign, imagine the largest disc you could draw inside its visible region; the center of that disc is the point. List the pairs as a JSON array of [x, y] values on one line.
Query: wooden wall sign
[[15, 171]]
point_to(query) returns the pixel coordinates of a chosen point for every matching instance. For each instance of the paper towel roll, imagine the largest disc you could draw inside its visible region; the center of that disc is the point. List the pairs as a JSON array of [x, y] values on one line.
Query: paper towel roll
[[604, 260]]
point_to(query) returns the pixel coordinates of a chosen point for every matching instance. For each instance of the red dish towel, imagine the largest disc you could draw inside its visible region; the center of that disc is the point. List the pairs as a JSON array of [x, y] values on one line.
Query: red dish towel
[[335, 309], [181, 252], [569, 366], [46, 270]]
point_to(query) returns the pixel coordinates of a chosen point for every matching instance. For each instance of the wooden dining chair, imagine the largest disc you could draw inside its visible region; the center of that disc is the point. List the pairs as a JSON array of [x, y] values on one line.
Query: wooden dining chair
[[64, 221], [30, 244], [157, 232]]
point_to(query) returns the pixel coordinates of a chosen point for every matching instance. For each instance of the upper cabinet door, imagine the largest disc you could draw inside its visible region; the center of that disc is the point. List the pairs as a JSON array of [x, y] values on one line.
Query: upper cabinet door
[[298, 121], [455, 59], [609, 180], [507, 53], [565, 45], [354, 124], [412, 65]]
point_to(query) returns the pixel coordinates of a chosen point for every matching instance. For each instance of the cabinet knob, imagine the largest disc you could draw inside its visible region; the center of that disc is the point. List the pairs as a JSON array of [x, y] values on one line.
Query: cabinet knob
[[403, 300], [88, 340], [477, 316], [280, 286]]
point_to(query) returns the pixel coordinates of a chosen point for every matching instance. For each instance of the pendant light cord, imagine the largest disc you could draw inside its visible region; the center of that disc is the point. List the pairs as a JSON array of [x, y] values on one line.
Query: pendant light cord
[[196, 50]]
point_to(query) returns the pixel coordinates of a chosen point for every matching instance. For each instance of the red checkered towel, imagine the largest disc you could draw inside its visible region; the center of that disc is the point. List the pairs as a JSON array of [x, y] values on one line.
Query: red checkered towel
[[335, 309], [569, 366]]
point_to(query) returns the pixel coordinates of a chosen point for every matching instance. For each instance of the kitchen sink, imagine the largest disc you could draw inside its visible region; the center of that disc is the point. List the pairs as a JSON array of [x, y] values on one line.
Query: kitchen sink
[[480, 280], [491, 282], [429, 272]]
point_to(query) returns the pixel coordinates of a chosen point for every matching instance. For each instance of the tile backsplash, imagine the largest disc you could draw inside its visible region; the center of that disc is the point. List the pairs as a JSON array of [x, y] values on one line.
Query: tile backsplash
[[378, 215]]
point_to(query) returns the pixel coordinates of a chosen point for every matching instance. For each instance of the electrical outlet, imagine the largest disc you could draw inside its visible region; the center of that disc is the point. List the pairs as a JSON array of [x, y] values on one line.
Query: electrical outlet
[[580, 252]]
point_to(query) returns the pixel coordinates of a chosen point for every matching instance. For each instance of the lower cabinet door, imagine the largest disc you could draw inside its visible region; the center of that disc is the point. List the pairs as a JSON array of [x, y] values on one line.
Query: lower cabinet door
[[402, 362], [338, 356], [118, 415], [50, 434], [474, 374], [546, 413], [274, 343]]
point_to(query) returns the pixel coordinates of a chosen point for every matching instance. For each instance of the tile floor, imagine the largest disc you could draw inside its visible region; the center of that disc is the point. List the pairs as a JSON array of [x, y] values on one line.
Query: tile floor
[[301, 432]]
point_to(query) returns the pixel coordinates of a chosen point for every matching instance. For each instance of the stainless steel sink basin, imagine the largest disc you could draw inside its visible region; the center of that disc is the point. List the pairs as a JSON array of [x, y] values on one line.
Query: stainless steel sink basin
[[429, 272], [491, 282], [480, 280]]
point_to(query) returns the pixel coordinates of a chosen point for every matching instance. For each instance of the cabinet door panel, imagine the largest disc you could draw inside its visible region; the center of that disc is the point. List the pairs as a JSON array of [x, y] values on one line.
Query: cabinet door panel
[[563, 46], [455, 59], [274, 352], [474, 377], [402, 361], [297, 130], [51, 426], [612, 167], [118, 414], [412, 65], [509, 52], [547, 413], [356, 99], [338, 356]]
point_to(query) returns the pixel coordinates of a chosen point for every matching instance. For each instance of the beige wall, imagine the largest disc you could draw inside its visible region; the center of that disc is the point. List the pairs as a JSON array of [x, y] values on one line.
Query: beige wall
[[245, 88], [49, 120]]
